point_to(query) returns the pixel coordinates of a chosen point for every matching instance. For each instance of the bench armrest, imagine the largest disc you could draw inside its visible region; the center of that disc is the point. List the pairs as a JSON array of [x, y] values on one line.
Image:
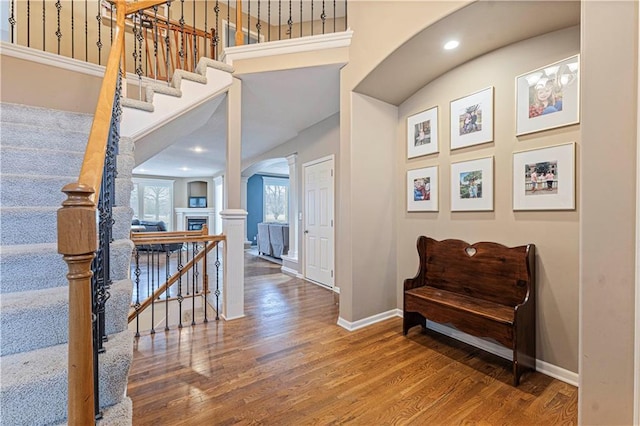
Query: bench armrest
[[415, 282]]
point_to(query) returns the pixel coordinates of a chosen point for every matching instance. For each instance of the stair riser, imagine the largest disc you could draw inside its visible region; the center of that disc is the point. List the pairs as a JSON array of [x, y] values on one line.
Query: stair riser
[[43, 163], [47, 118], [25, 136], [40, 397], [18, 274], [27, 325], [19, 191]]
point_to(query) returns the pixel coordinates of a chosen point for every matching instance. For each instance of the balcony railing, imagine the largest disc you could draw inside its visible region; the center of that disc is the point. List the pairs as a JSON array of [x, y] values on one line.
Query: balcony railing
[[171, 36]]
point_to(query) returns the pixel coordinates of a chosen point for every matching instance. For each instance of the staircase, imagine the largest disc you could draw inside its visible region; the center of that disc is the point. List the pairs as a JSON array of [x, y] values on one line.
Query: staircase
[[40, 151]]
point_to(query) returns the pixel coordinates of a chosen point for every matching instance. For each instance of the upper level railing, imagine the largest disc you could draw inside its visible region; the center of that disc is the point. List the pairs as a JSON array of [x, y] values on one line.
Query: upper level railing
[[173, 35]]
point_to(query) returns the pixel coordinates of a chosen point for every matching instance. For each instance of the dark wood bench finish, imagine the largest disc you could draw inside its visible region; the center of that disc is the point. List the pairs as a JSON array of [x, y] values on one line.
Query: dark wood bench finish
[[485, 289]]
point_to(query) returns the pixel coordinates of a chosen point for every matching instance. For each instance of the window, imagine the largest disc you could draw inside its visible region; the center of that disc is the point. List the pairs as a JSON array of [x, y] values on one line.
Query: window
[[276, 199], [152, 199]]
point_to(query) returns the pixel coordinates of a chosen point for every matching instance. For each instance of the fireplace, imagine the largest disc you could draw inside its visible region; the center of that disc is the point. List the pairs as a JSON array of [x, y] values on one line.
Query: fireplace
[[192, 219], [195, 224]]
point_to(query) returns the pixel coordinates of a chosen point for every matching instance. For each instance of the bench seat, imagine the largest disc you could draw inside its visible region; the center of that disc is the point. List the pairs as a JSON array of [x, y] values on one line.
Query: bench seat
[[486, 290]]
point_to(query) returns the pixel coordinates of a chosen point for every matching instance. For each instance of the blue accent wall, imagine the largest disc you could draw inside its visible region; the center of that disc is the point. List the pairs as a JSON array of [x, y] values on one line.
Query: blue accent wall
[[254, 207], [255, 204]]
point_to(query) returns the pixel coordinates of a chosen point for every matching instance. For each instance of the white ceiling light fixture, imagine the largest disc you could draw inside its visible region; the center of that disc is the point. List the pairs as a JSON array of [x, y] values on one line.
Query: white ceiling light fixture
[[198, 149], [451, 44]]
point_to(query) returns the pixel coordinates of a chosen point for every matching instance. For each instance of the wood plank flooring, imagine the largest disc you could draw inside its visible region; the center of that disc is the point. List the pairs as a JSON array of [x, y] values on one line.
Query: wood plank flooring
[[288, 363]]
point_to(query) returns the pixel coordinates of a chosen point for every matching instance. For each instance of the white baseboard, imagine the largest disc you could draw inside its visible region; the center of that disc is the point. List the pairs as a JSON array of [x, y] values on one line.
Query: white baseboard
[[336, 290], [291, 272], [351, 326], [231, 318], [541, 366]]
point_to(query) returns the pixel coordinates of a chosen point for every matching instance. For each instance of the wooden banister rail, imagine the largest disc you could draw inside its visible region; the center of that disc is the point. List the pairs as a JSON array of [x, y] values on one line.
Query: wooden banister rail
[[214, 239], [239, 35], [77, 237]]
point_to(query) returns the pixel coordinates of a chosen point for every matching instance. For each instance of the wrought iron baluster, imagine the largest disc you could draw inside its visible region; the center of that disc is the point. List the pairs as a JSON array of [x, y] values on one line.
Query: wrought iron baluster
[[167, 41], [111, 20], [86, 30], [155, 42], [323, 16], [300, 19], [99, 42], [269, 19], [205, 281], [279, 19], [195, 37], [29, 23], [228, 23], [12, 20], [73, 32], [151, 286], [180, 297], [217, 281], [136, 306], [206, 34], [44, 29], [345, 15], [258, 24], [182, 58], [58, 32], [334, 16], [290, 21], [138, 64], [216, 38]]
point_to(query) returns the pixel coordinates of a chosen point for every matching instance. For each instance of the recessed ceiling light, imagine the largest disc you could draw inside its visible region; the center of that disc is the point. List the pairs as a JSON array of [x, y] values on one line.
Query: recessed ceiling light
[[198, 149], [452, 44], [184, 169]]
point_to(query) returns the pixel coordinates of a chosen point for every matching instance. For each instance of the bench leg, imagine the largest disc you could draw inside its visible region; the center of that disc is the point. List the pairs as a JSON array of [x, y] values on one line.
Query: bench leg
[[411, 319]]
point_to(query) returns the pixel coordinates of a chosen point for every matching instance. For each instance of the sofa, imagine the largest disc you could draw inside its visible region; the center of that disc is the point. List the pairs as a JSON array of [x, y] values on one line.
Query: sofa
[[273, 239], [153, 226]]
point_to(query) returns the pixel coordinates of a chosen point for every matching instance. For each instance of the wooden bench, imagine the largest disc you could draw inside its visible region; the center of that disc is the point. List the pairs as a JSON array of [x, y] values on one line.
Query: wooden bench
[[485, 289]]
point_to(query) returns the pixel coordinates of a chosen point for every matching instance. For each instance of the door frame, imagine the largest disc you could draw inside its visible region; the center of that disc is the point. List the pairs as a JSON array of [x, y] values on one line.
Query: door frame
[[303, 265]]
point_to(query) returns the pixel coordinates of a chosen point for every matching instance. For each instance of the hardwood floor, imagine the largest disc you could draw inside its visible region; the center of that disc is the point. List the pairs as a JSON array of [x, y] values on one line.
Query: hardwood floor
[[288, 363]]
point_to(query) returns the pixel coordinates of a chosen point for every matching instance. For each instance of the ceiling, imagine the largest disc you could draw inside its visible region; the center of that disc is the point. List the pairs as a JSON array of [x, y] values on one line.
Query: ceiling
[[276, 106], [480, 27]]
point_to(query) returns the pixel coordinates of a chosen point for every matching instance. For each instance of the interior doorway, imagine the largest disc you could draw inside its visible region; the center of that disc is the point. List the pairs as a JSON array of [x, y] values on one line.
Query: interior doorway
[[318, 231]]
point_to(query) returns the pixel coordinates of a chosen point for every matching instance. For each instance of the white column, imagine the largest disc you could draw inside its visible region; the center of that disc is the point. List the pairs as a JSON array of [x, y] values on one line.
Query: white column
[[293, 207], [243, 204], [233, 225], [179, 221]]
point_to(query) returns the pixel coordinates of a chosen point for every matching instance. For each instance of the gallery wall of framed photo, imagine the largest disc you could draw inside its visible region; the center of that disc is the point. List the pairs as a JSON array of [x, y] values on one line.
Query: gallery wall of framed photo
[[503, 165]]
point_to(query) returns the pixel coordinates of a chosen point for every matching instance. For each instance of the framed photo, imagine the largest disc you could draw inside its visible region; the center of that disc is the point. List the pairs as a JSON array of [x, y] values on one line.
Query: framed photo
[[472, 185], [472, 119], [422, 190], [422, 133], [544, 178], [548, 97]]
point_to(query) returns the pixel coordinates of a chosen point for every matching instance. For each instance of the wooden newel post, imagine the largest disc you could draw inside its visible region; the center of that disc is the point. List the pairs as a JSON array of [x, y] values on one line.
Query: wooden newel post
[[77, 242]]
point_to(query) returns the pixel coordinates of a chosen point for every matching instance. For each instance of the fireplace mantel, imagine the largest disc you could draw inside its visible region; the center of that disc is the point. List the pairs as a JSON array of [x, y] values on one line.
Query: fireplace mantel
[[183, 214]]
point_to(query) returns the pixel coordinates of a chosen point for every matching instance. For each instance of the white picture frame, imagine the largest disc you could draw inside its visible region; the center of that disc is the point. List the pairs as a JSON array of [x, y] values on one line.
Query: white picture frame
[[422, 189], [472, 119], [548, 97], [555, 191], [472, 185], [422, 133]]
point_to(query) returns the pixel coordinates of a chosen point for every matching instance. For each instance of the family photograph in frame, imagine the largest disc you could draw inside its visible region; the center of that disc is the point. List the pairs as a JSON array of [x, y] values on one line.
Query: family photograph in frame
[[472, 119], [422, 189], [548, 97], [472, 185], [422, 133], [544, 178]]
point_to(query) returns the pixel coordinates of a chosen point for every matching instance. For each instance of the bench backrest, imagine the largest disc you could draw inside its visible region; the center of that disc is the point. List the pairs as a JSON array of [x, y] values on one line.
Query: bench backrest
[[488, 271]]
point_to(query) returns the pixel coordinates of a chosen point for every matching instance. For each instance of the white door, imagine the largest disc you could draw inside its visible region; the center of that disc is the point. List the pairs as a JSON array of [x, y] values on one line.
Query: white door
[[318, 221]]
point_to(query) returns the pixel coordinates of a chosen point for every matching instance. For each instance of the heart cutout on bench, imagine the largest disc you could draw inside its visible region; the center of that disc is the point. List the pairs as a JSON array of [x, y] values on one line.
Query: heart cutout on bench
[[470, 251]]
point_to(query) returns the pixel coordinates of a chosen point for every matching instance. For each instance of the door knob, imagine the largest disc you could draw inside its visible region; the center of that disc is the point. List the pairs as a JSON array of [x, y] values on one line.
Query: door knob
[[306, 231]]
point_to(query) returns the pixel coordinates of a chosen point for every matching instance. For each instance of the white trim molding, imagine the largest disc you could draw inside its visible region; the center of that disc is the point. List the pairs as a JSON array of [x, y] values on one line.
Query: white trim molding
[[365, 322], [284, 47], [636, 359]]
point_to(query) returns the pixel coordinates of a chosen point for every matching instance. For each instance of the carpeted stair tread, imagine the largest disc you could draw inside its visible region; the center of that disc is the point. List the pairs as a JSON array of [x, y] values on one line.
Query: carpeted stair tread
[[17, 272], [45, 117], [37, 136], [28, 190], [33, 385], [120, 414], [40, 318], [38, 161]]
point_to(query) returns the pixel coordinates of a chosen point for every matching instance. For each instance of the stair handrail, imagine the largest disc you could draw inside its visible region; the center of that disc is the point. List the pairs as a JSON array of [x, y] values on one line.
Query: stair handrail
[[77, 233], [142, 238]]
